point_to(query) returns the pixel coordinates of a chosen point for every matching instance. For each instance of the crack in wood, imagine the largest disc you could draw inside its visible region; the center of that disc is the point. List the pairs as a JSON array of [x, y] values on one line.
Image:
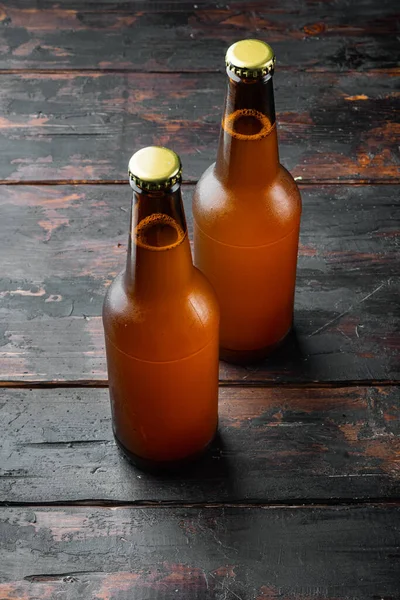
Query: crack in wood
[[69, 443], [70, 576]]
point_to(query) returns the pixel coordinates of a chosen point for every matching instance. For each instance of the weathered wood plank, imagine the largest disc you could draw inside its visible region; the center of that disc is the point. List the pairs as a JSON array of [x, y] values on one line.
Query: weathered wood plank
[[216, 553], [275, 445], [166, 36], [62, 245], [332, 127]]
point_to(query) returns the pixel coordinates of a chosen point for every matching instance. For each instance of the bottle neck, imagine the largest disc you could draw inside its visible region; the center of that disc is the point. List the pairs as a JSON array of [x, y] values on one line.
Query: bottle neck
[[159, 262], [248, 145]]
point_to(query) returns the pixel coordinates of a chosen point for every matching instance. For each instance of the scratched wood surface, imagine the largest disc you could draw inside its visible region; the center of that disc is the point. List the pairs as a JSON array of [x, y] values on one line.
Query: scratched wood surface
[[62, 245], [333, 127], [218, 553], [193, 36], [275, 445], [298, 499]]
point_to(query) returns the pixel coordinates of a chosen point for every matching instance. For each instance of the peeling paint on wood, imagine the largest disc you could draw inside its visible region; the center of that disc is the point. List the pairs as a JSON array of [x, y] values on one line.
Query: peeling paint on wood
[[61, 247], [207, 554], [86, 126], [275, 445], [169, 36]]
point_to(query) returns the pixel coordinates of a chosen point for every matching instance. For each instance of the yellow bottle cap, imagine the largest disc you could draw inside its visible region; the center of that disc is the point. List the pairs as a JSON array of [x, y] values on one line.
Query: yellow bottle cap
[[155, 168], [250, 59]]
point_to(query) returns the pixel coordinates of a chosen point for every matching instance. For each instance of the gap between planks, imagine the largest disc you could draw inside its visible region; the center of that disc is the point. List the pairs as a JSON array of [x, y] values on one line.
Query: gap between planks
[[247, 383], [310, 503], [301, 181], [217, 71]]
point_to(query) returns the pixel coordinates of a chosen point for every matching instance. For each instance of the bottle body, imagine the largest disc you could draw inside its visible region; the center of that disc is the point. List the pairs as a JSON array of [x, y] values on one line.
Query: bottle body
[[163, 410], [161, 329], [246, 211]]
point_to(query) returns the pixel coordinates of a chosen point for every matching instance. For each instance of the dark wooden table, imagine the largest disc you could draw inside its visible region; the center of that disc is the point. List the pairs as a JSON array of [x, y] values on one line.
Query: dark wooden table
[[300, 497]]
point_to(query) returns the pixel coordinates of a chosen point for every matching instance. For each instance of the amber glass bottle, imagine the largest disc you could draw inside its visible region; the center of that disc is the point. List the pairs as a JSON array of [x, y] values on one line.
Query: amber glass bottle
[[247, 214], [161, 322]]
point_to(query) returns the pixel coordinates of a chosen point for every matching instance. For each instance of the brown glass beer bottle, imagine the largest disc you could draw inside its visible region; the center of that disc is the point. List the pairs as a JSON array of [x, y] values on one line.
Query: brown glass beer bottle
[[247, 214], [161, 321]]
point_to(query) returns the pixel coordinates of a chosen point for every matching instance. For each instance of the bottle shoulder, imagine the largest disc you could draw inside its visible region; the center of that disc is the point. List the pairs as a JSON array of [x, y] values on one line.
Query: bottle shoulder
[[254, 215], [122, 303], [165, 328]]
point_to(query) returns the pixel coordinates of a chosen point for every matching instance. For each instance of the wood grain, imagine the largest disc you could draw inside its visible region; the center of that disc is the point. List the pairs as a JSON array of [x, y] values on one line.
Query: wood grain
[[62, 245], [166, 36], [275, 445], [333, 127], [212, 554]]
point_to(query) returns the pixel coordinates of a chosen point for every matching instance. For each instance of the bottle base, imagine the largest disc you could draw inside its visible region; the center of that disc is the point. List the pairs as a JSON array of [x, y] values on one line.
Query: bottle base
[[161, 466], [247, 357]]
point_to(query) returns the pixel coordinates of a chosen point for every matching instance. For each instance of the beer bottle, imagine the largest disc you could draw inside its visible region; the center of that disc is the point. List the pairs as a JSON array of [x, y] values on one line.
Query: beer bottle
[[161, 321], [246, 212]]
